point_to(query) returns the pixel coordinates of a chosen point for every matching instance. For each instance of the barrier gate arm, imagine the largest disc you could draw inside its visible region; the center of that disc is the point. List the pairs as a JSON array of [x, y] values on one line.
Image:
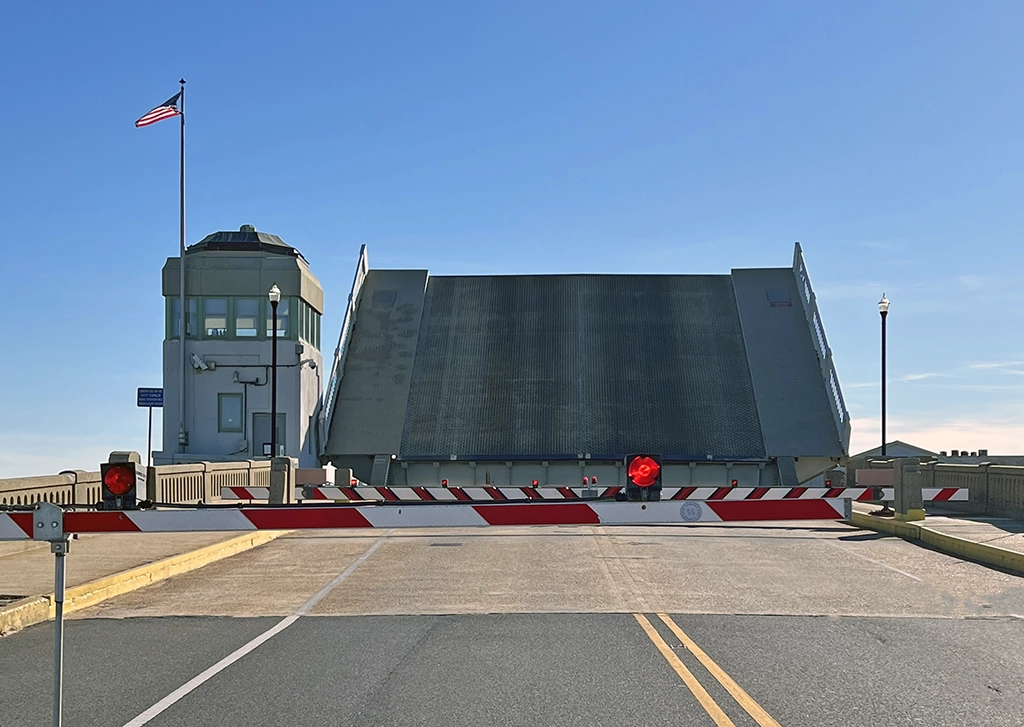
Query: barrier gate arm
[[20, 526]]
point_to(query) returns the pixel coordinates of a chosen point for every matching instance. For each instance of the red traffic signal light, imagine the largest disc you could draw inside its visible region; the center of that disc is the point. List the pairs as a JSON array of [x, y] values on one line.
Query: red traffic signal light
[[643, 470], [119, 479], [123, 481]]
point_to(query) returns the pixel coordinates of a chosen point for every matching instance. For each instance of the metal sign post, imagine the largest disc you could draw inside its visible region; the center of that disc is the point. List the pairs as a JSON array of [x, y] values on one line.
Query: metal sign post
[[48, 524], [150, 398]]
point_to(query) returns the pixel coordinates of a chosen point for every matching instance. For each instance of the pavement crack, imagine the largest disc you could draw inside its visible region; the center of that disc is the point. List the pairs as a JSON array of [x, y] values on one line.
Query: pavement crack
[[381, 686], [627, 585]]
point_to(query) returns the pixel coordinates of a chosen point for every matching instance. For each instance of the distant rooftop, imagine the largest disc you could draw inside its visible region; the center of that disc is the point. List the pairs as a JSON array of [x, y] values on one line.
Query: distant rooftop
[[247, 239]]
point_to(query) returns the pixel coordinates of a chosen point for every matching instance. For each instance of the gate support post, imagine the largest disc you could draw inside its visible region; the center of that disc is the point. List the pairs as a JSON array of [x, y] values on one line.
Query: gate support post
[[48, 525], [59, 551], [907, 480]]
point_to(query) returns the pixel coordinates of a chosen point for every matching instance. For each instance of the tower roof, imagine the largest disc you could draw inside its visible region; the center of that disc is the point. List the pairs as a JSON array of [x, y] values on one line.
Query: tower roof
[[247, 239]]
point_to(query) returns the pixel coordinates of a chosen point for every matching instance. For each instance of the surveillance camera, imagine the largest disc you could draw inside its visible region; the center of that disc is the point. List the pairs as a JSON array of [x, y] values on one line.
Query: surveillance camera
[[198, 364]]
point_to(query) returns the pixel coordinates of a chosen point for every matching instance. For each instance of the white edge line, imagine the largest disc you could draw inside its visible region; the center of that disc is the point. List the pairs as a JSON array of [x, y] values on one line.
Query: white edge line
[[234, 656], [311, 603], [203, 677]]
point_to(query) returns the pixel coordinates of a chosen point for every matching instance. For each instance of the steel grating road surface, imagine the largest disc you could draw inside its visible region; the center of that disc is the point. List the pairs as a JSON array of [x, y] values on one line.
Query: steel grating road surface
[[539, 368], [581, 364]]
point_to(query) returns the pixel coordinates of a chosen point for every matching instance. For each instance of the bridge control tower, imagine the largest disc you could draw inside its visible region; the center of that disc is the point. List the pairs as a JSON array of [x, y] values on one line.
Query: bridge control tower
[[228, 352]]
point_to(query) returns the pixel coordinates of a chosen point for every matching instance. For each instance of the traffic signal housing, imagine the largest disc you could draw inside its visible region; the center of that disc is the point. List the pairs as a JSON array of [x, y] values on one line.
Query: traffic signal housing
[[643, 477], [122, 477]]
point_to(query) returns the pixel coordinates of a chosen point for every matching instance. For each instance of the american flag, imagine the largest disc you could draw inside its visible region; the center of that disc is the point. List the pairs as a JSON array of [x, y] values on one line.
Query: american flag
[[165, 110]]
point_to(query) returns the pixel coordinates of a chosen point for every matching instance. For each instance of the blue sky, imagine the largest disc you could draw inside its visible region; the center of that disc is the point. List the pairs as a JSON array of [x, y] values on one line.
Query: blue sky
[[519, 138]]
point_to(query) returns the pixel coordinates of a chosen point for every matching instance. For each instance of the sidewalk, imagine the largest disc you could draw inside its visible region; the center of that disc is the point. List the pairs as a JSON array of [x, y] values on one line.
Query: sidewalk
[[101, 566], [993, 541]]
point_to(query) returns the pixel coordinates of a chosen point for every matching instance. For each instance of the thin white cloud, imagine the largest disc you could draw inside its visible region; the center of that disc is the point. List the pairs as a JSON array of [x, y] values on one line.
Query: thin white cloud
[[973, 282], [921, 377], [994, 364], [947, 386], [938, 381]]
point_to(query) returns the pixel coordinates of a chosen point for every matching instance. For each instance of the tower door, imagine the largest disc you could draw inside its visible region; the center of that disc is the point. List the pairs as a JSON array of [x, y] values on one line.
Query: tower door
[[261, 434]]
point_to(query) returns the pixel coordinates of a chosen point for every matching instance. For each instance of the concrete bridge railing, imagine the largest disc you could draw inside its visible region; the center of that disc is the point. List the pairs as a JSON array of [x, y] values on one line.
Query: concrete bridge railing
[[996, 490], [73, 486], [201, 481], [179, 484]]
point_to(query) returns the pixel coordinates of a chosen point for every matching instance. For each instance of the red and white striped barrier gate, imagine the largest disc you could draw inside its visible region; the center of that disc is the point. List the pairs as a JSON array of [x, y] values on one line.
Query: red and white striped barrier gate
[[18, 525], [502, 494]]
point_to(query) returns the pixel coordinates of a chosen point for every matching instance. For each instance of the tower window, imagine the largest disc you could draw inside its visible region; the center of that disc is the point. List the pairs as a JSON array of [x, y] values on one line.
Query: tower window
[[282, 319], [247, 316], [215, 320], [174, 327]]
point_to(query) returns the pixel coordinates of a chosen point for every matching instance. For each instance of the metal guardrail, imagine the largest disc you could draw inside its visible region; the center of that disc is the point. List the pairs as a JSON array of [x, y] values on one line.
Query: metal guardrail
[[331, 390], [821, 347], [73, 486]]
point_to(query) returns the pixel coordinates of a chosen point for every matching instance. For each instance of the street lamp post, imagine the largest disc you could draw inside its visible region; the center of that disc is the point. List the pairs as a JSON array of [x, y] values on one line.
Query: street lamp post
[[883, 310], [275, 298]]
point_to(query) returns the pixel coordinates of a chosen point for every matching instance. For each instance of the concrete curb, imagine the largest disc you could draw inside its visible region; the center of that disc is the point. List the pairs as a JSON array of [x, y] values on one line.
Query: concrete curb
[[24, 613], [36, 609], [992, 555]]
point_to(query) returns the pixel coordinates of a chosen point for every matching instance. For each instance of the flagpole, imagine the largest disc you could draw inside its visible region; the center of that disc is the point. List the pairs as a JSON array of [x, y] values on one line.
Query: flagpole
[[182, 435]]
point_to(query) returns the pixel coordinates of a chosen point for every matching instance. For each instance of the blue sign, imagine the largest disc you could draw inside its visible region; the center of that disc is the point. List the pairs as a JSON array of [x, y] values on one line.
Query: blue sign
[[151, 397]]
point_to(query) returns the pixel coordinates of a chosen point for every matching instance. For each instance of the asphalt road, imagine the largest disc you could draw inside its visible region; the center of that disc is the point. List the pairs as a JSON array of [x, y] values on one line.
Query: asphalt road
[[799, 626]]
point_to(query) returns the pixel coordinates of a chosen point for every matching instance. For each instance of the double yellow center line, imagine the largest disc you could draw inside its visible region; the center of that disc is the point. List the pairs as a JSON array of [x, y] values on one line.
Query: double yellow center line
[[720, 718]]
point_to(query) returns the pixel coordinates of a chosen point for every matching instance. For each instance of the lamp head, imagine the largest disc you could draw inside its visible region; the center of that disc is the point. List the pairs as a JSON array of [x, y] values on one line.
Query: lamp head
[[883, 305], [274, 294]]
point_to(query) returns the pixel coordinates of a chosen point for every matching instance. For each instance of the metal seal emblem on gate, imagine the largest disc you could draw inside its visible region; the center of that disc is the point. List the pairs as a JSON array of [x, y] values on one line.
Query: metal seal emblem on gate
[[690, 512]]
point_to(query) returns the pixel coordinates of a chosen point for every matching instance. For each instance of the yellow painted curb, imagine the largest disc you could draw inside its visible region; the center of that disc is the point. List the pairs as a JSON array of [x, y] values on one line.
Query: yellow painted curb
[[35, 610], [891, 526], [24, 612], [982, 553]]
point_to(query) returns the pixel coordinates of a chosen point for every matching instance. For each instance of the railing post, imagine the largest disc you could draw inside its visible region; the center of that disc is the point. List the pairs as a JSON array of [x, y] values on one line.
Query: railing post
[[282, 480], [983, 486], [909, 504], [928, 473]]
